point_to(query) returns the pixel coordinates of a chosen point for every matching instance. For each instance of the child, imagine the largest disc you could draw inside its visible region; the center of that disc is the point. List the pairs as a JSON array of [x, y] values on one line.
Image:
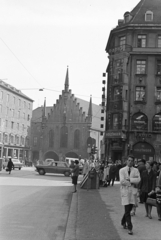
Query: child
[[158, 201]]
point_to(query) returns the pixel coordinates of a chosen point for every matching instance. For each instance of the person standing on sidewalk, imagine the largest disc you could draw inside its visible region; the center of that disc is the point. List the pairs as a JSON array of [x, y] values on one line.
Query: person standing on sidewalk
[[75, 174], [128, 177], [112, 174], [85, 167]]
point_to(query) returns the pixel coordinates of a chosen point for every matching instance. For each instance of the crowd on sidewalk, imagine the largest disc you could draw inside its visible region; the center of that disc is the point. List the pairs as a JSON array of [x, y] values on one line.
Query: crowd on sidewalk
[[140, 182]]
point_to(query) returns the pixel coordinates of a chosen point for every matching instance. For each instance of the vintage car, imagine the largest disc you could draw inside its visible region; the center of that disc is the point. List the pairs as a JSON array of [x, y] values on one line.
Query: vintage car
[[54, 167], [17, 163]]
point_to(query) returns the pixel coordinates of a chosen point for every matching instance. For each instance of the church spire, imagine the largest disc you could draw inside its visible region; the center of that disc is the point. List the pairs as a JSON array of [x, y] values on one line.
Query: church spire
[[44, 109], [90, 108], [66, 81]]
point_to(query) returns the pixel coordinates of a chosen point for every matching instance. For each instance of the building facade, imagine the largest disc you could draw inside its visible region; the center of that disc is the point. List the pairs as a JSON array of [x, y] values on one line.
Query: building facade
[[133, 115], [15, 118], [67, 129]]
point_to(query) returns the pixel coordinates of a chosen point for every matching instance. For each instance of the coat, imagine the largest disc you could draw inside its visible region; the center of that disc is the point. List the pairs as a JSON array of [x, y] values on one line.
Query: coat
[[148, 181], [128, 189], [159, 179], [85, 168], [112, 172], [10, 165]]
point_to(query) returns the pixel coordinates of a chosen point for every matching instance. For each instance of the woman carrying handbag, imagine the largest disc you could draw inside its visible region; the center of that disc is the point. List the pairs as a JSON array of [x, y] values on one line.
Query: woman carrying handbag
[[147, 187]]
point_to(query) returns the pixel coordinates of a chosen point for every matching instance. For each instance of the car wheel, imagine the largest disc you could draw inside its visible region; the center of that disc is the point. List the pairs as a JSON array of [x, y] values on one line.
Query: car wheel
[[41, 171], [66, 174], [19, 168]]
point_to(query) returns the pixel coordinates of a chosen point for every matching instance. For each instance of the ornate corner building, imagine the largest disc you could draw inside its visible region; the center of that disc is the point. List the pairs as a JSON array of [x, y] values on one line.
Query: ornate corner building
[[133, 115], [66, 129]]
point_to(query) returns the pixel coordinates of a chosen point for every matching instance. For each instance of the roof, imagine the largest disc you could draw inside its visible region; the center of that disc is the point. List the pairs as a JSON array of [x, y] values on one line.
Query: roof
[[14, 90], [138, 13], [96, 113]]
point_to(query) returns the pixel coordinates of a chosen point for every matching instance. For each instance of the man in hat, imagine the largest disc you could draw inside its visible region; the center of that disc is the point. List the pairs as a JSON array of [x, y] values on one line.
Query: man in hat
[[75, 174]]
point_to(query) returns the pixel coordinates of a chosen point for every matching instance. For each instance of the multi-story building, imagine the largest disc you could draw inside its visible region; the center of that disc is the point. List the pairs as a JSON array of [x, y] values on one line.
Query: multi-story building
[[69, 128], [133, 123], [15, 118]]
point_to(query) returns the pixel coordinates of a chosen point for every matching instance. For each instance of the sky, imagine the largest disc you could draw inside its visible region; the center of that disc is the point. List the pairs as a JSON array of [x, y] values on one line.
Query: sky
[[40, 38]]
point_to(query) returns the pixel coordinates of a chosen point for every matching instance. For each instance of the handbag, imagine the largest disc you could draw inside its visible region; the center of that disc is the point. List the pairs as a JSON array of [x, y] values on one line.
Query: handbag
[[7, 169], [151, 201]]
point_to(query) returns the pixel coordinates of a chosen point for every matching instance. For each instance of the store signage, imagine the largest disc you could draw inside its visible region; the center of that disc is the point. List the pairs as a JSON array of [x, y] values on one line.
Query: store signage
[[143, 148], [139, 122], [114, 134], [157, 122], [143, 135]]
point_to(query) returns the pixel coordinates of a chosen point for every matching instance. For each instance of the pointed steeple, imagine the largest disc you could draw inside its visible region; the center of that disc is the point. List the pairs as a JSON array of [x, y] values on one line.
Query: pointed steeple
[[90, 108], [44, 109], [66, 81]]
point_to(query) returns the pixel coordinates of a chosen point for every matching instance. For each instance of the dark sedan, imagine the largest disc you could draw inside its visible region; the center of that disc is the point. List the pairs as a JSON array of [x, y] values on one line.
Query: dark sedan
[[54, 167]]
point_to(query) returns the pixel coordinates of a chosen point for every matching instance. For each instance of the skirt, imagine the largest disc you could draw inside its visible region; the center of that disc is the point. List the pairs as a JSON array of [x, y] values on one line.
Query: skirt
[[74, 180]]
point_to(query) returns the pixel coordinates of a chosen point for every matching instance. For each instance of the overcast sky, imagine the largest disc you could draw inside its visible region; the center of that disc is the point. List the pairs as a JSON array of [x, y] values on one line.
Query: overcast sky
[[40, 38]]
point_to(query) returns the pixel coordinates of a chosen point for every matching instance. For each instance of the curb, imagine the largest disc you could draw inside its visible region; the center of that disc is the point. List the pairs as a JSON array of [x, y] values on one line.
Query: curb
[[70, 233]]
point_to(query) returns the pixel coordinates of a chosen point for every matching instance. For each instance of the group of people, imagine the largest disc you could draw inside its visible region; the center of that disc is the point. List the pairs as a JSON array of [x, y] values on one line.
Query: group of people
[[141, 179]]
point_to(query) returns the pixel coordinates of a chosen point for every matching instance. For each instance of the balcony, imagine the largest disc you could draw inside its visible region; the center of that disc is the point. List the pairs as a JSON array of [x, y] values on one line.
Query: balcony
[[120, 49], [147, 50]]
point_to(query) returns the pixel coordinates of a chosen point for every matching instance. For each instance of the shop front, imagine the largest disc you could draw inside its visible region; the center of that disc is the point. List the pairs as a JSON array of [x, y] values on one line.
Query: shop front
[[143, 150], [116, 145]]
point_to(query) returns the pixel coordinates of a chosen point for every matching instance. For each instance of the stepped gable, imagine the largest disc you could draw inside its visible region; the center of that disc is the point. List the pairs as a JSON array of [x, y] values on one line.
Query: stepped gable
[[96, 113], [138, 13]]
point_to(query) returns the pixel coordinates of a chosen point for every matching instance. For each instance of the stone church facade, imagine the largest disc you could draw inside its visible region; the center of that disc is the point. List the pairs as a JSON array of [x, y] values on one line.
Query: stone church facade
[[62, 130]]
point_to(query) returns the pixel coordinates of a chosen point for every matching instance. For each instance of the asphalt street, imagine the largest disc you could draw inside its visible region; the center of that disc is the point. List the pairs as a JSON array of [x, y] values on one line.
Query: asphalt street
[[33, 206]]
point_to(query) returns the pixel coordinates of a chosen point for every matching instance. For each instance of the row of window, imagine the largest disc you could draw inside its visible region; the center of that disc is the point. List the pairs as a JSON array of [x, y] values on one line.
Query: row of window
[[11, 113], [11, 139], [140, 93], [13, 100], [12, 125], [139, 121], [141, 41], [63, 138], [141, 67]]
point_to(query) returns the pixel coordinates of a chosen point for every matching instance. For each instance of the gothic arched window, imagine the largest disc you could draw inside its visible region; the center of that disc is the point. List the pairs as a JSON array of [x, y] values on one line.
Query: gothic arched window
[[51, 138], [64, 137], [77, 139]]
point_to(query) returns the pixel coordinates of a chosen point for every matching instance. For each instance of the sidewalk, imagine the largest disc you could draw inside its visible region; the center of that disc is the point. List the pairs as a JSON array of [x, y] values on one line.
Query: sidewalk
[[96, 215]]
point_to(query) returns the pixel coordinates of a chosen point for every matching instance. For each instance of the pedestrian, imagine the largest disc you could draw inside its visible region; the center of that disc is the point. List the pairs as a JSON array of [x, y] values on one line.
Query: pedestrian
[[147, 186], [112, 174], [158, 201], [141, 168], [128, 177], [75, 174], [85, 167], [10, 165], [118, 167]]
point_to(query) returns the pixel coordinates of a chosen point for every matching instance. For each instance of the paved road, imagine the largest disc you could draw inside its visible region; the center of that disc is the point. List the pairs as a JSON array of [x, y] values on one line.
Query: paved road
[[33, 206]]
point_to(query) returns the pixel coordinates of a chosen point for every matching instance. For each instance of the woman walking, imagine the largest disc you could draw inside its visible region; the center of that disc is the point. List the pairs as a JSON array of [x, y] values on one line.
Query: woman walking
[[10, 165], [147, 186]]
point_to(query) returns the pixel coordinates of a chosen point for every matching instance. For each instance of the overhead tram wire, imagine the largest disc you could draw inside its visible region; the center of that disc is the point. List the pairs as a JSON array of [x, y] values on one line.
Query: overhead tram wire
[[19, 61]]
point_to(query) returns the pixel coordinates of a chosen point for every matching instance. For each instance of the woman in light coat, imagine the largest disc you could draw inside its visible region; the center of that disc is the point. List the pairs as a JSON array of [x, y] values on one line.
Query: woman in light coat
[[85, 167]]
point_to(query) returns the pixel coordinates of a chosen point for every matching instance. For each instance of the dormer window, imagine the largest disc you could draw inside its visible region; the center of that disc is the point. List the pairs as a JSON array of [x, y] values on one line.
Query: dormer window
[[149, 16]]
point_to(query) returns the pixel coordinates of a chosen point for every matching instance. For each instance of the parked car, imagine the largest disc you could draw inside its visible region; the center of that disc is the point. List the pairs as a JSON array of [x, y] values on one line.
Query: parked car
[[17, 163], [54, 167], [48, 161]]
